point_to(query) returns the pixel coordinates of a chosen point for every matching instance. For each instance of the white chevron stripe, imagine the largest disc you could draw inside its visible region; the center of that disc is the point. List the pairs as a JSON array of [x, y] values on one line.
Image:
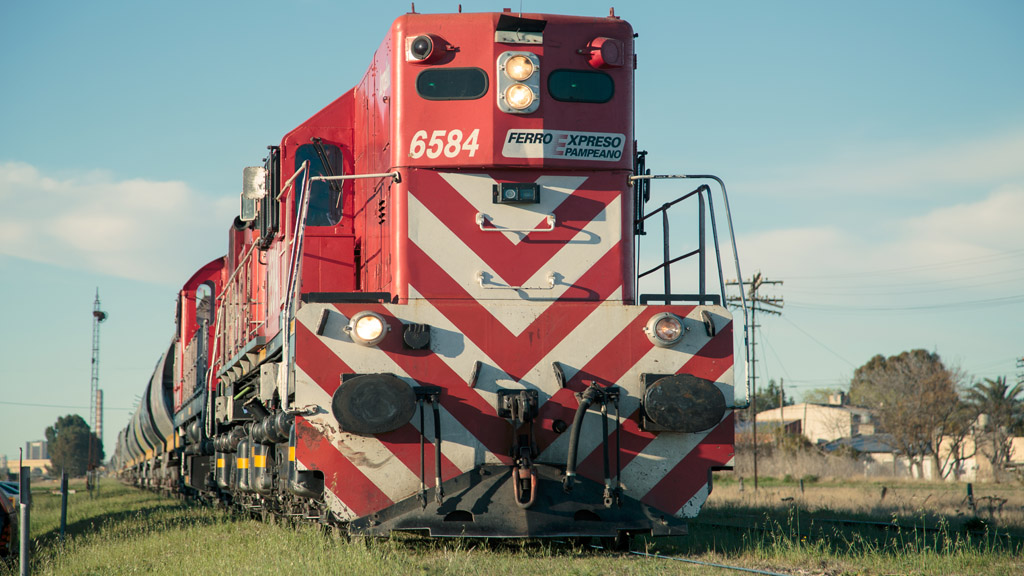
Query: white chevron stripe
[[581, 253], [693, 505], [460, 262]]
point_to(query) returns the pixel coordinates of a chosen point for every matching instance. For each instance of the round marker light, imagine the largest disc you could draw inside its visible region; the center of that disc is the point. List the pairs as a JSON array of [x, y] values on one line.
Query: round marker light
[[421, 47], [519, 68], [519, 96], [367, 328], [665, 329]]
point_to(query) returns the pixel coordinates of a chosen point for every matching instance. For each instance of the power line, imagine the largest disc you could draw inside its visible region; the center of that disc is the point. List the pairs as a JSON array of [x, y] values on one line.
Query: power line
[[35, 405], [918, 268], [904, 288], [819, 342], [987, 303]]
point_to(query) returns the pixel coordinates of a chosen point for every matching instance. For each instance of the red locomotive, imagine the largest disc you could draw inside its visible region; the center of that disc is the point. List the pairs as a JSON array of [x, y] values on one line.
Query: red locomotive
[[429, 315]]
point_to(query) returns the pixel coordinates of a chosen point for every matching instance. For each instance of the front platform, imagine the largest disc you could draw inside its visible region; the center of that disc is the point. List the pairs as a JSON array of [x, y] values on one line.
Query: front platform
[[481, 503]]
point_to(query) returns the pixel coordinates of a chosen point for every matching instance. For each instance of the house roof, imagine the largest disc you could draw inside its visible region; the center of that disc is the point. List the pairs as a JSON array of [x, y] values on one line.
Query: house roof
[[867, 443]]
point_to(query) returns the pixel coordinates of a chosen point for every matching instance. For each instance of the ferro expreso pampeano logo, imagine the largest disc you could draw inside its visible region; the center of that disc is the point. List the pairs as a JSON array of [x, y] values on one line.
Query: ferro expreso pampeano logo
[[601, 146]]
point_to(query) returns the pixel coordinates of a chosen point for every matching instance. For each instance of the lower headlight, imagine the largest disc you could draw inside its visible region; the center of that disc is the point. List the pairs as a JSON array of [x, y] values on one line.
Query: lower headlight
[[664, 329], [519, 96], [367, 328]]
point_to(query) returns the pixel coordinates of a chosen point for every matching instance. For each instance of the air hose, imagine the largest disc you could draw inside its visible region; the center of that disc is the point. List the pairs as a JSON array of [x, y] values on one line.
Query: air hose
[[586, 399]]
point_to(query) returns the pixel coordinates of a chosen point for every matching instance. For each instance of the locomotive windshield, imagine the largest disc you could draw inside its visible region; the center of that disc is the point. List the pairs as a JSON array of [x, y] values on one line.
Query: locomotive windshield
[[581, 86], [451, 83]]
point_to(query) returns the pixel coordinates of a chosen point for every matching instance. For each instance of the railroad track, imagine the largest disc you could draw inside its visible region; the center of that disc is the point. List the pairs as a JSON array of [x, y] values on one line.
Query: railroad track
[[851, 523], [708, 564], [655, 556]]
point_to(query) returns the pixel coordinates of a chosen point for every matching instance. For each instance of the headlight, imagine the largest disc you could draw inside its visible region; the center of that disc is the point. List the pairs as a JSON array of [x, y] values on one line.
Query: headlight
[[518, 82], [519, 68], [665, 329], [367, 328], [519, 96]]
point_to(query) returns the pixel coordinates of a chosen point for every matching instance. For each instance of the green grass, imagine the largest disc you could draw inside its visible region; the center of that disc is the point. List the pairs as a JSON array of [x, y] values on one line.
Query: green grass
[[127, 531]]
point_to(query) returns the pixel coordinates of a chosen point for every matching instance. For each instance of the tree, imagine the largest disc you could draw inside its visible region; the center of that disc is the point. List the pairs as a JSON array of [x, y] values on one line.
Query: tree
[[1000, 411], [767, 399], [68, 444], [917, 401], [821, 395]]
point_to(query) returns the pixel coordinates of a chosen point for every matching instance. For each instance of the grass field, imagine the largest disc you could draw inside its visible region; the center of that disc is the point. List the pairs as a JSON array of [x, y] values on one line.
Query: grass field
[[126, 531]]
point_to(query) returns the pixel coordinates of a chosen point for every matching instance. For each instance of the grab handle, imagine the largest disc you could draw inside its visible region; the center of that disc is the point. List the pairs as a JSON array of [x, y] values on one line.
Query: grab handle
[[482, 219]]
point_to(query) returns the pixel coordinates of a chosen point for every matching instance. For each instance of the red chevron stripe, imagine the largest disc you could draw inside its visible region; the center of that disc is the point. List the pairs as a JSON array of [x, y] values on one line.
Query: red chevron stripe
[[683, 481], [341, 477], [514, 263], [516, 355], [317, 360]]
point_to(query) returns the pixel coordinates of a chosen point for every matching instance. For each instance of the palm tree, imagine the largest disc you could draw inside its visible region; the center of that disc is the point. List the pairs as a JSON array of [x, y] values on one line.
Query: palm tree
[[1000, 411]]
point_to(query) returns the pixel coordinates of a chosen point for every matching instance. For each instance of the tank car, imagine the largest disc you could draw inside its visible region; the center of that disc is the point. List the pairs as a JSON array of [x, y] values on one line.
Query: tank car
[[430, 318]]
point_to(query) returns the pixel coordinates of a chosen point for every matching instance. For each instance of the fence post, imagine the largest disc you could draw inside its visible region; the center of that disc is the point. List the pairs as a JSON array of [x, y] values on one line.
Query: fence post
[[25, 499], [63, 504]]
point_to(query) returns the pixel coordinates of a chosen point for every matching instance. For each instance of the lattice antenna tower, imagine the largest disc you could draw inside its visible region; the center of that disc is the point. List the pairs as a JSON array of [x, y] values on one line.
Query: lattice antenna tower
[[95, 395]]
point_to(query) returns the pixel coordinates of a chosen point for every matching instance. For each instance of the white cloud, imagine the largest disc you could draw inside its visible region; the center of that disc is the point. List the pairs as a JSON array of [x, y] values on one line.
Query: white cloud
[[991, 224], [916, 168], [152, 231], [978, 245]]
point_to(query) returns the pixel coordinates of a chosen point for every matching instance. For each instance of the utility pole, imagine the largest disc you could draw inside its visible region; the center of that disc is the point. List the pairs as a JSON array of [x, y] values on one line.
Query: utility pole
[[782, 409], [757, 304], [95, 394]]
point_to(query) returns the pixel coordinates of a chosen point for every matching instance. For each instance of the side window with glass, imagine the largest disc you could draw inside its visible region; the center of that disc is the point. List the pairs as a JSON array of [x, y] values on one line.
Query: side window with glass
[[325, 198], [581, 86], [451, 84]]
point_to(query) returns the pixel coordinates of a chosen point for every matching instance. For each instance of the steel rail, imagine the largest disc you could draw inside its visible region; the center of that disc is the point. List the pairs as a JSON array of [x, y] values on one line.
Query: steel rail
[[697, 562], [709, 564]]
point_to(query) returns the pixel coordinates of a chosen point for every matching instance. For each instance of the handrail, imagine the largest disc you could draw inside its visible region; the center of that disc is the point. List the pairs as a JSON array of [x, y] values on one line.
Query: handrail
[[396, 177], [482, 219], [294, 266], [241, 264], [736, 260], [291, 180], [294, 269], [668, 261]]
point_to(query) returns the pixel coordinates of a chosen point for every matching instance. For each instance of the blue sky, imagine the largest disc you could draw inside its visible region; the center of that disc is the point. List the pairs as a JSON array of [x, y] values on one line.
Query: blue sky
[[874, 153]]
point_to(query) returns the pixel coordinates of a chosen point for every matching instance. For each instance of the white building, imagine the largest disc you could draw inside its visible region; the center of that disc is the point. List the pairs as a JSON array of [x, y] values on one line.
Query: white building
[[821, 423]]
